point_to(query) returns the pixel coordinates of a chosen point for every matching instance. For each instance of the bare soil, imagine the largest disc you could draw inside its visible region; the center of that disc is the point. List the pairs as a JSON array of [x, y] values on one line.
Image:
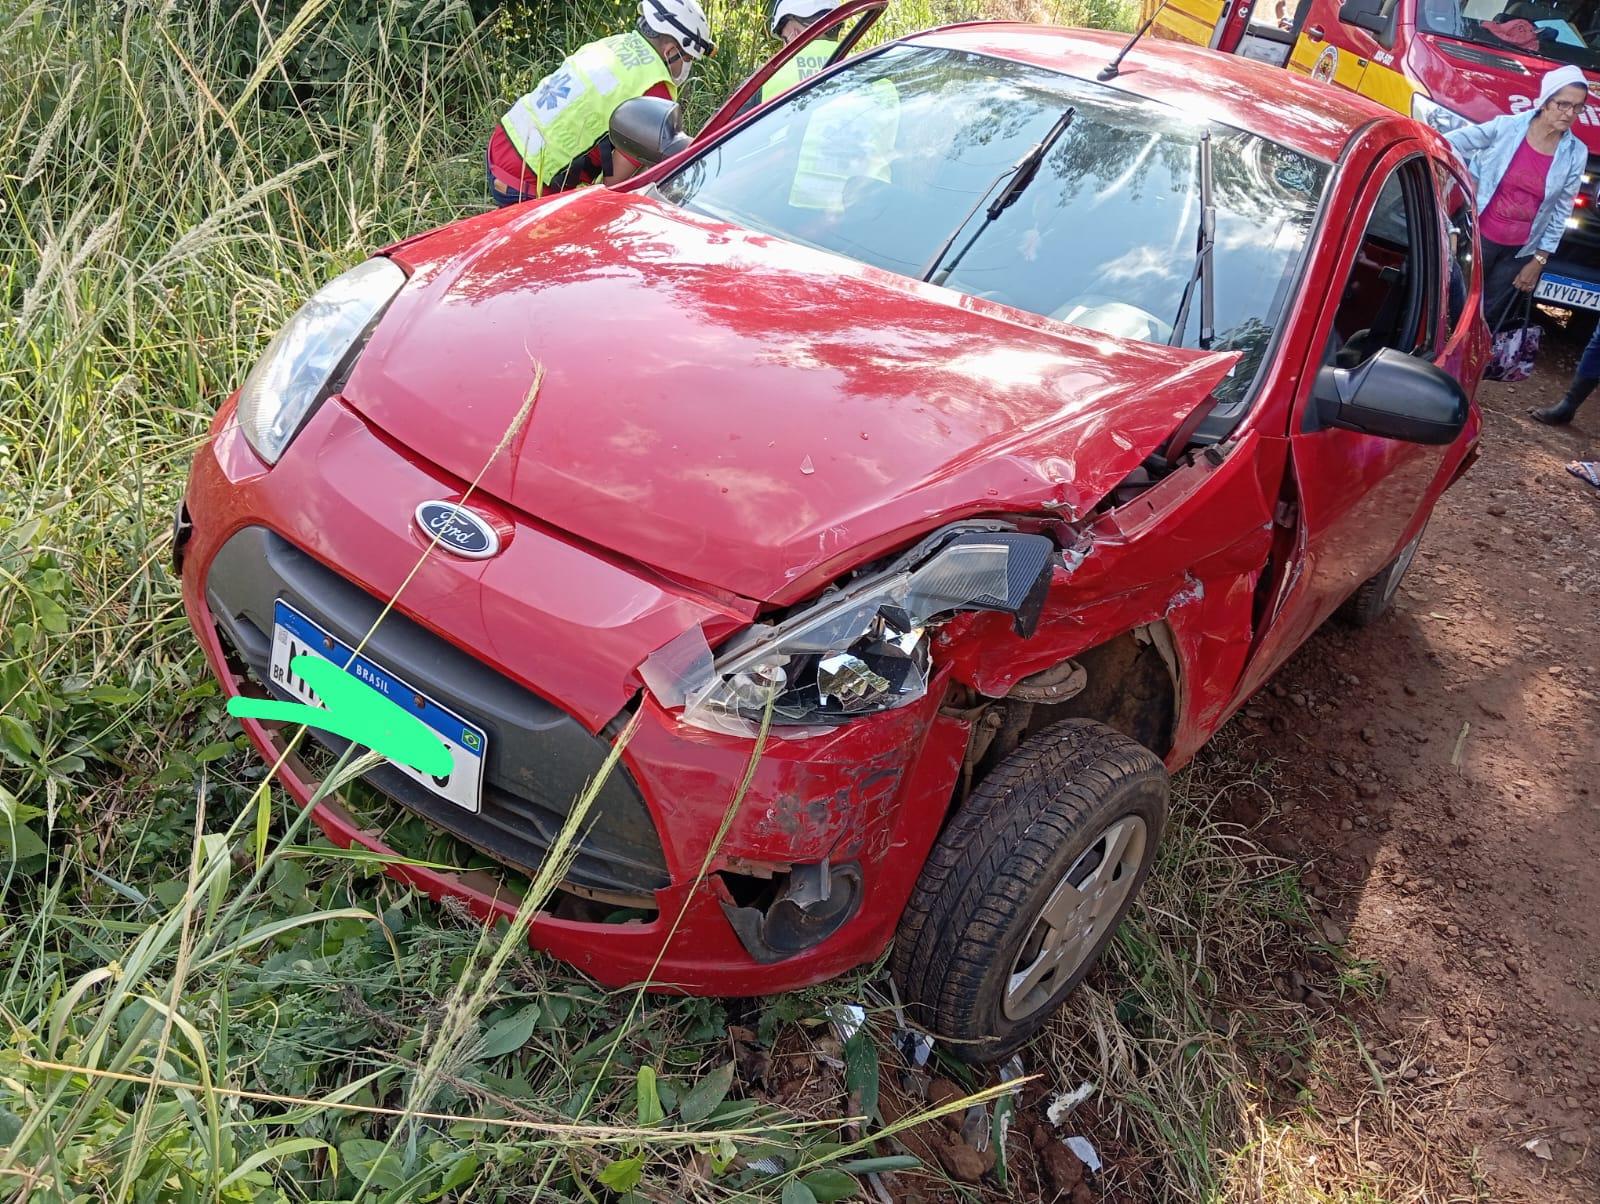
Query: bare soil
[[1444, 775]]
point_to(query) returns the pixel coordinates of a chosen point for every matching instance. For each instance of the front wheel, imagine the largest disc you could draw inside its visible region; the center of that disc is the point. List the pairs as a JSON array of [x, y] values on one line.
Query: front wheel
[[1027, 885], [1373, 597]]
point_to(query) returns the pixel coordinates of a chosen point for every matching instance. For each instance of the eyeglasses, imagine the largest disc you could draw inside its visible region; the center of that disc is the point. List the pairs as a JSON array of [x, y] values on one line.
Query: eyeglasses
[[1566, 106]]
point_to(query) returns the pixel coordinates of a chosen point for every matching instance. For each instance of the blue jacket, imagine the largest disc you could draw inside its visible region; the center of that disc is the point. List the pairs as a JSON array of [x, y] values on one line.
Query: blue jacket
[[1487, 149]]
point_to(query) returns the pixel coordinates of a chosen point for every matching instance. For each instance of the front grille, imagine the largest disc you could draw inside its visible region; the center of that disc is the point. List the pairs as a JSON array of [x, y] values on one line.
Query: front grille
[[540, 758]]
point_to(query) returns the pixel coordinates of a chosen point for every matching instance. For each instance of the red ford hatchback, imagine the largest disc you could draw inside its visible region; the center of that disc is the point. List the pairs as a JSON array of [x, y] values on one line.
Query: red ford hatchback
[[995, 429]]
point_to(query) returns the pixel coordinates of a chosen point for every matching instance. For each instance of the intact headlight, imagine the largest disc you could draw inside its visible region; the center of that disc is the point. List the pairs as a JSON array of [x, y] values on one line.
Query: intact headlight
[[857, 650], [1431, 112], [311, 356]]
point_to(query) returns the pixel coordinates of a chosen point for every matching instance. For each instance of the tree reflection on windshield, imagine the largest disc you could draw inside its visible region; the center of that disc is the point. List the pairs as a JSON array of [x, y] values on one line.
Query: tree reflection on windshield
[[882, 161]]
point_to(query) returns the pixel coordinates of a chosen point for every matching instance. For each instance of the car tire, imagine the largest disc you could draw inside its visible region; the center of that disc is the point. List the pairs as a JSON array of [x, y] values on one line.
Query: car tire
[[1372, 599], [992, 905]]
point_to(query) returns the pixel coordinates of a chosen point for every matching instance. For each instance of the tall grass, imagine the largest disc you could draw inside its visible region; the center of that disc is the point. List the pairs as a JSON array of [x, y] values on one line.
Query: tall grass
[[200, 1000]]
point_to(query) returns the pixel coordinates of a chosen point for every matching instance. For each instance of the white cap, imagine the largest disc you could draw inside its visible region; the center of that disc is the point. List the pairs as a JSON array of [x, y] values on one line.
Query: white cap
[[1561, 77]]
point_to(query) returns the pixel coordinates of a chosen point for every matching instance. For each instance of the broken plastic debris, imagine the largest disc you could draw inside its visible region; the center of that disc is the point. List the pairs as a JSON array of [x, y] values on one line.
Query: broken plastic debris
[[1066, 1102], [1012, 1072], [766, 1166], [850, 680], [914, 1047], [847, 1019], [877, 624], [807, 467], [679, 669], [959, 576], [1084, 1149], [1539, 1148], [975, 1127]]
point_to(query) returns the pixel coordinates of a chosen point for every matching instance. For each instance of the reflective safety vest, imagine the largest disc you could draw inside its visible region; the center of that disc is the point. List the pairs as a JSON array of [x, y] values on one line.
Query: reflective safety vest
[[802, 67], [847, 137], [571, 108]]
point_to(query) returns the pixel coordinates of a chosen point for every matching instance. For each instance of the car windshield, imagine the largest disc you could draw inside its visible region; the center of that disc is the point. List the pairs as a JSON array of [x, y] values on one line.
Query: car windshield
[[1567, 32], [883, 161]]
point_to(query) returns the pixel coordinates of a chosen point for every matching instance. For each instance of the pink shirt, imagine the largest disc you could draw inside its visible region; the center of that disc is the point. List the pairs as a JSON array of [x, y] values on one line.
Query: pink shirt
[[1508, 219]]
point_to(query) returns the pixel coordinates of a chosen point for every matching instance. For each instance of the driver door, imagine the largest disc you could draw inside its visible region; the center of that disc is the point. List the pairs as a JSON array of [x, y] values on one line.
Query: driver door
[[1353, 501], [865, 13]]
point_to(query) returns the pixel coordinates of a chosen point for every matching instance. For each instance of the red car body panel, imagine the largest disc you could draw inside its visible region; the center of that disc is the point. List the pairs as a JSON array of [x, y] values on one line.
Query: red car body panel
[[858, 415], [661, 483]]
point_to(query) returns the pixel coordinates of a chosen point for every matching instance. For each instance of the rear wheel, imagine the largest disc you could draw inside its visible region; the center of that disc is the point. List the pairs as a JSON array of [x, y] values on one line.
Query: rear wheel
[[1027, 885], [1372, 600]]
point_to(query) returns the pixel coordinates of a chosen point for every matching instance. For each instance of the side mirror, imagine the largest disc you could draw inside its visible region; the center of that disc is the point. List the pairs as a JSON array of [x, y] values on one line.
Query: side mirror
[[1364, 15], [1393, 395], [648, 129]]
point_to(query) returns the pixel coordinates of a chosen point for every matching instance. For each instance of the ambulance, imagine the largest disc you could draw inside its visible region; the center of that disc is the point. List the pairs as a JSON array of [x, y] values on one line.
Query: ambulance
[[1446, 62]]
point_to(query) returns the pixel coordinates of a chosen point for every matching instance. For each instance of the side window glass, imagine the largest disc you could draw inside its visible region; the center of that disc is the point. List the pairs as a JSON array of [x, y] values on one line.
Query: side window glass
[[1391, 296]]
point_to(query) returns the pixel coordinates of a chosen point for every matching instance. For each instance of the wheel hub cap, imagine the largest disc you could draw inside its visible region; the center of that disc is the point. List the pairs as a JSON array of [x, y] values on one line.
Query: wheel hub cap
[[1075, 916]]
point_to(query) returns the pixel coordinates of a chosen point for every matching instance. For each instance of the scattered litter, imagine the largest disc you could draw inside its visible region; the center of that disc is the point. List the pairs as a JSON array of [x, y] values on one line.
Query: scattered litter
[[1539, 1148], [1461, 744], [1012, 1071], [1084, 1149], [916, 1048], [975, 1127], [847, 1019], [1066, 1102], [766, 1166], [807, 467]]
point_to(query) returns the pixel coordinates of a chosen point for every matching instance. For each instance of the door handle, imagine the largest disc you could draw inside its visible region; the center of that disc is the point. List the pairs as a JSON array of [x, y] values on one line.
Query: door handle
[[1315, 33]]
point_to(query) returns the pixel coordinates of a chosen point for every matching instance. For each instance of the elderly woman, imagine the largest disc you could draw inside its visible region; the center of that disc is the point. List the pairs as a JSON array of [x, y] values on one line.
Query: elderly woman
[[1527, 168]]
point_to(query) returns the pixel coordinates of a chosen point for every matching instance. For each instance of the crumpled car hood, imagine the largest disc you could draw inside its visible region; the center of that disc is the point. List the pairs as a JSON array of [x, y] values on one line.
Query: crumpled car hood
[[739, 411]]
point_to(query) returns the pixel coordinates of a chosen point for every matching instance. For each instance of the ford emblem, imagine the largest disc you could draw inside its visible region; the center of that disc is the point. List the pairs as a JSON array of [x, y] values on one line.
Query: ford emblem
[[458, 529]]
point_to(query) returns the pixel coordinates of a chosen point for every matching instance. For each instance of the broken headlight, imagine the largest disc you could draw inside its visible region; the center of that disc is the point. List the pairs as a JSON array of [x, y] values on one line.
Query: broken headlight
[[859, 649]]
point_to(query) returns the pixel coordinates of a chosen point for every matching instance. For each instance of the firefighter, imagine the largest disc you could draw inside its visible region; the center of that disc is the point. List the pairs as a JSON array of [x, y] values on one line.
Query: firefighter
[[557, 136], [790, 19]]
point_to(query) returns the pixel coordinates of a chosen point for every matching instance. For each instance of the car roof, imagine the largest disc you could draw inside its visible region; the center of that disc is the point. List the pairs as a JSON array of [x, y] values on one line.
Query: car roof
[[1303, 115]]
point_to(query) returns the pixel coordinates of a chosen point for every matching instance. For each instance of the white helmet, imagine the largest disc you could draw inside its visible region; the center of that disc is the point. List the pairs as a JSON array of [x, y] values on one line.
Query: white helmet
[[804, 11], [680, 20]]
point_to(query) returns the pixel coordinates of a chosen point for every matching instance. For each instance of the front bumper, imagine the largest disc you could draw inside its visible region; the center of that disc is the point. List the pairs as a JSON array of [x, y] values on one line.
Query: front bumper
[[530, 644]]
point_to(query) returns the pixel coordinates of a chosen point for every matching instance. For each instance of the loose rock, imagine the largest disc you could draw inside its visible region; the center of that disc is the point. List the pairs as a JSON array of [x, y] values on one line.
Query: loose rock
[[965, 1164]]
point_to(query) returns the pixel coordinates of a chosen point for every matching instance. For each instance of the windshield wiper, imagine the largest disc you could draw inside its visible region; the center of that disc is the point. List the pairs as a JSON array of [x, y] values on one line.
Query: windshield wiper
[[1022, 173], [1202, 273]]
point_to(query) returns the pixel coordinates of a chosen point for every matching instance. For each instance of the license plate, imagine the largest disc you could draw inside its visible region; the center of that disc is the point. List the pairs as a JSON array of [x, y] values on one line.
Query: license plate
[[295, 635], [1564, 290]]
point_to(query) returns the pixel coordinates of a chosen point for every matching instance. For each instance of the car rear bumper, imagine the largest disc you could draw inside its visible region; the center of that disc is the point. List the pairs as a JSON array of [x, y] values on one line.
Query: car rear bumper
[[539, 667]]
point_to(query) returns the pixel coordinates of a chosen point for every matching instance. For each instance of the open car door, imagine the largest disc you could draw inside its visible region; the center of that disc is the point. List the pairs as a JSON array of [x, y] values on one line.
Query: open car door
[[864, 14]]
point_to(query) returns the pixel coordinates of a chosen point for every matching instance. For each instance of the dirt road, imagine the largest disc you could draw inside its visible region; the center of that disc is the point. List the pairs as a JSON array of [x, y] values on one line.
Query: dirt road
[[1447, 767]]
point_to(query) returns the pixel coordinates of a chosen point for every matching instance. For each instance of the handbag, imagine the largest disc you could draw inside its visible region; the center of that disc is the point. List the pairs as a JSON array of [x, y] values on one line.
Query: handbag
[[1513, 351]]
